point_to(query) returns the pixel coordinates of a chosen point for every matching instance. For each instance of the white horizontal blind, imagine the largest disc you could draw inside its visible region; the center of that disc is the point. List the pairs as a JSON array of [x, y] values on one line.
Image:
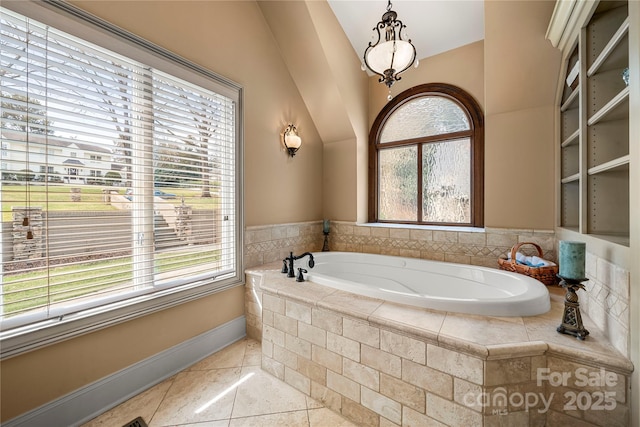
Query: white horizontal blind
[[118, 180]]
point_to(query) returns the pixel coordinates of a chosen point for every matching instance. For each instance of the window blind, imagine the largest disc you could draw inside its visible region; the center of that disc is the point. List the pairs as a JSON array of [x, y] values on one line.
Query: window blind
[[119, 180]]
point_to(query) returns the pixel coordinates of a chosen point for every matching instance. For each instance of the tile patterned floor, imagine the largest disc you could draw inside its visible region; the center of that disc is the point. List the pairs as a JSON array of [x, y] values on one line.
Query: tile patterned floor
[[227, 389]]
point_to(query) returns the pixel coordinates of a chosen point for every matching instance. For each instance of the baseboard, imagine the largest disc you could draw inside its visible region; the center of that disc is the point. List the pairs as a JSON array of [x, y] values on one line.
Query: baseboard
[[90, 401]]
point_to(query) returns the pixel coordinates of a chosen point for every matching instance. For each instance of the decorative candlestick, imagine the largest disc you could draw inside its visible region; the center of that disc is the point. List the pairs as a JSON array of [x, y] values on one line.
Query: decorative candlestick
[[572, 263], [572, 259], [571, 317], [325, 231]]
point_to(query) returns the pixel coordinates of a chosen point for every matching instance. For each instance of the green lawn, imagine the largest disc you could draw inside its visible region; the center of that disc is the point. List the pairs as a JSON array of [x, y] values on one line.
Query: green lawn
[[57, 197], [36, 288], [29, 290]]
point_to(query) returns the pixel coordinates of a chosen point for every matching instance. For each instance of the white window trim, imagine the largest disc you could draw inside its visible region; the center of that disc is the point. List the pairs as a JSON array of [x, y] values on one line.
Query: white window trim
[[74, 21]]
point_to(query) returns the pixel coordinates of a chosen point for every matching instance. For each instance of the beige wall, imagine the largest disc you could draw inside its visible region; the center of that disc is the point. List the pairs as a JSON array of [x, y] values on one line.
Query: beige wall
[[327, 73], [37, 377], [521, 73]]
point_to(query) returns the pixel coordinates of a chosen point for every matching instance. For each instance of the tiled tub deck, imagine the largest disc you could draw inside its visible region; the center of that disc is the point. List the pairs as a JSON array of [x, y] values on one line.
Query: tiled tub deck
[[384, 364]]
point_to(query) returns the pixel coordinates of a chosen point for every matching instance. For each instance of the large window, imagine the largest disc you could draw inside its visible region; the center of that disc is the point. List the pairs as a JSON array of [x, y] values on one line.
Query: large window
[[426, 159], [120, 183]]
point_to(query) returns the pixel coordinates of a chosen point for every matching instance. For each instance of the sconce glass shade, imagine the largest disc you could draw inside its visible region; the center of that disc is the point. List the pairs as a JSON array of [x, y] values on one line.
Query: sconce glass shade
[[291, 140], [391, 54]]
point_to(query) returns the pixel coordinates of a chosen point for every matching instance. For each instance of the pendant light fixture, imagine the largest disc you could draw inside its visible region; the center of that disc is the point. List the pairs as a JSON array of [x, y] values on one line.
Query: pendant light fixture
[[390, 52]]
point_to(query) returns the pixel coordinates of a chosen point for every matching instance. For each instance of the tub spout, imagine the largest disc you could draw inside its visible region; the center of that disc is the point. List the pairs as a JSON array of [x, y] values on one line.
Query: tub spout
[[311, 262], [289, 269]]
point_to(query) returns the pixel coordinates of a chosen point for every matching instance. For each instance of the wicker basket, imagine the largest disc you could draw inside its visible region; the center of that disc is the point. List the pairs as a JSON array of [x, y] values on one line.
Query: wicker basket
[[547, 275]]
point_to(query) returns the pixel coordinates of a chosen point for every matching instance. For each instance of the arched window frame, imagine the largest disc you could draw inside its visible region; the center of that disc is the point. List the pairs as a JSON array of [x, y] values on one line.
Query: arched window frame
[[476, 134]]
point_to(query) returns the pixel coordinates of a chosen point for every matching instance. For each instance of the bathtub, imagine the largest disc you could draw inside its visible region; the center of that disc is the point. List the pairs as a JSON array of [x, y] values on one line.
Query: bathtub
[[430, 284]]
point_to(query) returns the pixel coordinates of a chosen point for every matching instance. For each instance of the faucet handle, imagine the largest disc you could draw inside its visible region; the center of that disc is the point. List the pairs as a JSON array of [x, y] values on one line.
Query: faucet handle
[[285, 269], [300, 277]]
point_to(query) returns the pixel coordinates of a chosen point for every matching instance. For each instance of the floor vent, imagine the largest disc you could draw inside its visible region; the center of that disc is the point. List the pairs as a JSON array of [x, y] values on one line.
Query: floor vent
[[138, 422]]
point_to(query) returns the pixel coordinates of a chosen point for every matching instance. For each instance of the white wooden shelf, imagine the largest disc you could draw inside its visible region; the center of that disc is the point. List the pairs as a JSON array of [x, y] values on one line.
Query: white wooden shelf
[[571, 178], [617, 100], [571, 139], [615, 40], [594, 131], [571, 99], [611, 165]]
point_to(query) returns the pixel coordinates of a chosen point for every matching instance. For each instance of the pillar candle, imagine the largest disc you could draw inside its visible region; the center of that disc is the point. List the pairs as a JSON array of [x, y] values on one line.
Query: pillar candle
[[325, 226], [571, 259]]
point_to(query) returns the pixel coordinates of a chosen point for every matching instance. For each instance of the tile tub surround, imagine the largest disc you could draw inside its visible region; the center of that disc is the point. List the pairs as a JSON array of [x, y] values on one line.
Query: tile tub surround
[[606, 300], [267, 243], [383, 364], [481, 247]]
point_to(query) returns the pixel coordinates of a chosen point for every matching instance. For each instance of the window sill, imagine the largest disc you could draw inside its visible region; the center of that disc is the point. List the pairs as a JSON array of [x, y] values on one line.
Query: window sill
[[422, 227]]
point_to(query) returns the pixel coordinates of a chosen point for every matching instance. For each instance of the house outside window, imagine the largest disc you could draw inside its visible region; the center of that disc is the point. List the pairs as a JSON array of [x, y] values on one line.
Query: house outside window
[[426, 159], [173, 133], [46, 169]]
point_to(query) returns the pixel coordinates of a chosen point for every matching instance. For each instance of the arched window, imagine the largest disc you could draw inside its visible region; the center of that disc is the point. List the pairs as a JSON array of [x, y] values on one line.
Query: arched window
[[426, 158]]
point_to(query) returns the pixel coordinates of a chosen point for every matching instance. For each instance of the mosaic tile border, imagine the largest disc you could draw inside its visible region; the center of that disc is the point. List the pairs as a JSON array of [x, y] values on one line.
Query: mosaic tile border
[[466, 247]]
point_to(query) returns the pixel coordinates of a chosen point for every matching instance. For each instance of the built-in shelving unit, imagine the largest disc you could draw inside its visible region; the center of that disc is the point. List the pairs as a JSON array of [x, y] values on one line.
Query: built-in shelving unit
[[594, 126]]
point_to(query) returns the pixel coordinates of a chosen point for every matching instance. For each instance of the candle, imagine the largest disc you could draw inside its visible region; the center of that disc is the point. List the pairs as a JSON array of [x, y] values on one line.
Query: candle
[[325, 226], [572, 255]]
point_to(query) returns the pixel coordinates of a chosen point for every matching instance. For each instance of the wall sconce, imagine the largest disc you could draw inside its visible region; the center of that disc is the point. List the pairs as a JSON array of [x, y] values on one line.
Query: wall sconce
[[291, 140]]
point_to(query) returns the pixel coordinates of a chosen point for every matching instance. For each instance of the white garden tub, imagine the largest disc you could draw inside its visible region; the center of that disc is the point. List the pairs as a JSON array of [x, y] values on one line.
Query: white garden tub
[[430, 284]]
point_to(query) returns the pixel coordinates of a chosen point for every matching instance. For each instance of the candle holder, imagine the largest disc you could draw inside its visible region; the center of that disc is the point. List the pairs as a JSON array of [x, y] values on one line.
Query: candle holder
[[571, 318], [325, 246]]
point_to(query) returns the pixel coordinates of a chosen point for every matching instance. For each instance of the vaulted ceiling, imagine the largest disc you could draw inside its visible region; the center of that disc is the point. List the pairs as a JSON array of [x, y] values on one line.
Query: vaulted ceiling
[[434, 26]]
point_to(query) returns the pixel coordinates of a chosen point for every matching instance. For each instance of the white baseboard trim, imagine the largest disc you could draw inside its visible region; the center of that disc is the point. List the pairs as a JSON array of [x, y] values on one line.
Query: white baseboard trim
[[92, 400]]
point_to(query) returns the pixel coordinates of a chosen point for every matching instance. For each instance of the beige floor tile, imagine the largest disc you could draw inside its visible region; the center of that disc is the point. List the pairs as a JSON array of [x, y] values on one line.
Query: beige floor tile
[[219, 423], [229, 357], [264, 394], [227, 389], [143, 405], [252, 354], [313, 404], [323, 417], [283, 419], [197, 396]]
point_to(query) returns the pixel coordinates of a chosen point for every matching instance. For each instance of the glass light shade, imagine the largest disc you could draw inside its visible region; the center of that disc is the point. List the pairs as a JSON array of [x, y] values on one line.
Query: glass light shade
[[390, 52], [292, 141], [394, 54]]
